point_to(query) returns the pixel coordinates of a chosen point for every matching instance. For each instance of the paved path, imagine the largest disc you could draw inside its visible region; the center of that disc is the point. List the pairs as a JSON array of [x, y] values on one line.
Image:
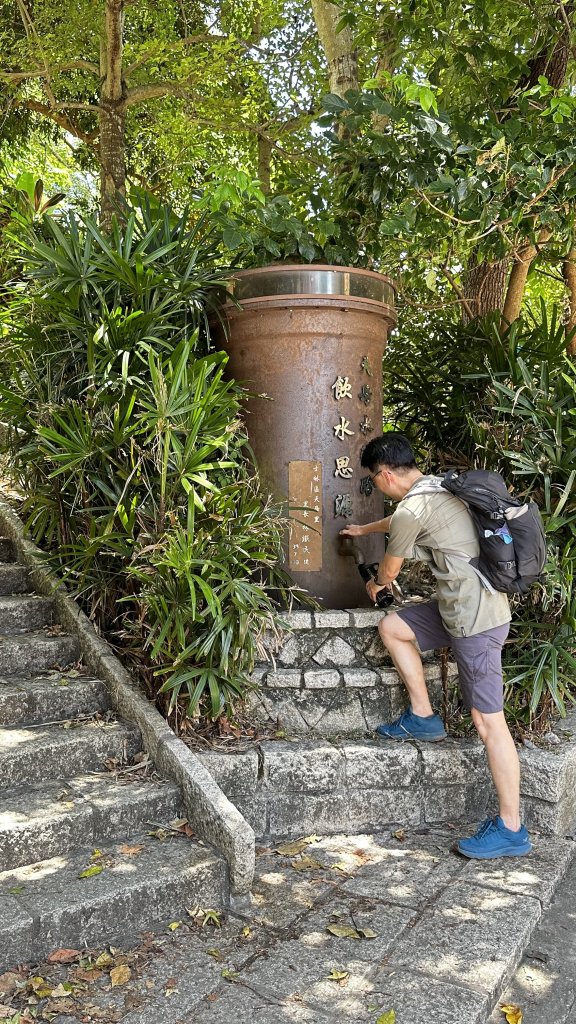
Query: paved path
[[347, 930], [544, 986]]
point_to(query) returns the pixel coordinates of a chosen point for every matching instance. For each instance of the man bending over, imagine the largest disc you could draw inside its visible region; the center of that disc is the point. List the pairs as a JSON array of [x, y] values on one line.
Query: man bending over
[[433, 526]]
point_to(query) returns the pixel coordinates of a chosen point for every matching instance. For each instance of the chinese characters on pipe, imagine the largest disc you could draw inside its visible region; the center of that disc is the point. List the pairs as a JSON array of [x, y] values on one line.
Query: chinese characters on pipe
[[342, 389]]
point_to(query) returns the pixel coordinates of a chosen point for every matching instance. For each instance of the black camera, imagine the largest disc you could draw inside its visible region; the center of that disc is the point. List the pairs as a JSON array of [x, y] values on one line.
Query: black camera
[[384, 598]]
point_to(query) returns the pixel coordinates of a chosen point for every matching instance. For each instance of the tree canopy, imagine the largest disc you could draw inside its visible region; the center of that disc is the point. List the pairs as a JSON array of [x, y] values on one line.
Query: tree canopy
[[432, 140]]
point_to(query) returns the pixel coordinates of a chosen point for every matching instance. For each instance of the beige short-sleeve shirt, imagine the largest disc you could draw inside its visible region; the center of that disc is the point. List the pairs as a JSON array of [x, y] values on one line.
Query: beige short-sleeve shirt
[[435, 527]]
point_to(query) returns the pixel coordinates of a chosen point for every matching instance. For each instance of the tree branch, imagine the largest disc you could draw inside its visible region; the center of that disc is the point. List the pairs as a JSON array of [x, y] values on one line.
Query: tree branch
[[30, 30], [205, 37], [463, 300], [59, 119], [140, 93], [77, 65]]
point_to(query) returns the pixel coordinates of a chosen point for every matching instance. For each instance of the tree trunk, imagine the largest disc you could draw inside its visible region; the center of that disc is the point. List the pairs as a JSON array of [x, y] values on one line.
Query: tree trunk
[[570, 278], [387, 54], [112, 114], [484, 285], [552, 62], [264, 163], [518, 278], [341, 54]]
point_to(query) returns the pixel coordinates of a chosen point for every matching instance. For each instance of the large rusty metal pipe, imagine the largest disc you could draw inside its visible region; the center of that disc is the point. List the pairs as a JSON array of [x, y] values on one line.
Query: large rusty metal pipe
[[311, 340]]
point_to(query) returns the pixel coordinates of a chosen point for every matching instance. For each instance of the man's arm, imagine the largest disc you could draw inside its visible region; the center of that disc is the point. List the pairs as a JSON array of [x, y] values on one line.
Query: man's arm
[[380, 526], [388, 570]]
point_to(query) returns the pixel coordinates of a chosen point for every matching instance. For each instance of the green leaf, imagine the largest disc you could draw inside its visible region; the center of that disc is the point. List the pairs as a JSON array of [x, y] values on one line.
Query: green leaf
[[335, 104], [232, 237], [94, 869]]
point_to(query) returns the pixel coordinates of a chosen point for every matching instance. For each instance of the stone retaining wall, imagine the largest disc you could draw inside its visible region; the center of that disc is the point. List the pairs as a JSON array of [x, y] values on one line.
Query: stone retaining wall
[[288, 788], [332, 677]]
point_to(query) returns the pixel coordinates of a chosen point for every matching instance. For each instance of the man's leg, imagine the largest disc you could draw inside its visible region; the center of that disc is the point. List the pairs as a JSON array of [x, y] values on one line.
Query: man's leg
[[503, 762], [480, 675], [419, 722], [398, 639]]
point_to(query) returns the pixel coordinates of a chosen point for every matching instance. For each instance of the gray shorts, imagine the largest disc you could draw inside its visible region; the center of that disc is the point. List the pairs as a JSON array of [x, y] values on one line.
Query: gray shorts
[[478, 657]]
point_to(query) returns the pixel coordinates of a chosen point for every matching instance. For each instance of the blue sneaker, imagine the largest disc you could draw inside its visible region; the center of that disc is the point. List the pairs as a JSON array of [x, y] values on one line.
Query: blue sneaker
[[412, 727], [493, 839]]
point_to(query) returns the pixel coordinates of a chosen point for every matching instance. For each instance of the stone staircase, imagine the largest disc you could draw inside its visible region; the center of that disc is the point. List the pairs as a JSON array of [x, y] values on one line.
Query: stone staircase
[[330, 684], [83, 857], [88, 855]]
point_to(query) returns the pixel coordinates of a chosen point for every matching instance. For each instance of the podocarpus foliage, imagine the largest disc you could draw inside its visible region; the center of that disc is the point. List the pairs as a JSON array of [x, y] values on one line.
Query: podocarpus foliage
[[470, 398], [128, 443]]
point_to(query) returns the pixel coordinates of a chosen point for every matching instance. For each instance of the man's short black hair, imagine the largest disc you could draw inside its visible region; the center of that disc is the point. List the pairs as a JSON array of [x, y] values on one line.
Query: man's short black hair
[[391, 450]]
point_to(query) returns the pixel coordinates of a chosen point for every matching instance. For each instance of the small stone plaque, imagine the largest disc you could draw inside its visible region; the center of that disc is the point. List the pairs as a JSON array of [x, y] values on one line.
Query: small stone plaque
[[305, 493]]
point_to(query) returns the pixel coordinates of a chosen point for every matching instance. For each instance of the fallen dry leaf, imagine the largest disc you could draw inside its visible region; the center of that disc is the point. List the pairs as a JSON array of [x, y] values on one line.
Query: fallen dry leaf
[[63, 956], [343, 931], [40, 987], [120, 975], [7, 1011], [174, 925], [305, 863], [338, 975], [88, 974], [400, 835], [389, 1017], [293, 849], [61, 991], [103, 960], [512, 1013], [9, 982], [131, 851]]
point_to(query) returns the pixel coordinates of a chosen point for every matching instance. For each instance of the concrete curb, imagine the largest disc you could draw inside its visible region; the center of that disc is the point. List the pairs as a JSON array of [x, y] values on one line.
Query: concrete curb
[[209, 811]]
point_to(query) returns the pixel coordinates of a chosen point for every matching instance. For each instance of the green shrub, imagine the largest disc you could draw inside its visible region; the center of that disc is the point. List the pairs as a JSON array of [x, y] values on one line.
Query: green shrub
[[128, 443]]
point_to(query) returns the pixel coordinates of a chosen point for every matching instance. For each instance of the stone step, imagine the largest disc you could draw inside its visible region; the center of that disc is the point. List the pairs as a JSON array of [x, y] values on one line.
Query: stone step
[[49, 819], [14, 579], [544, 984], [25, 612], [28, 653], [296, 787], [447, 932], [349, 701], [56, 752], [52, 698], [7, 550], [46, 906]]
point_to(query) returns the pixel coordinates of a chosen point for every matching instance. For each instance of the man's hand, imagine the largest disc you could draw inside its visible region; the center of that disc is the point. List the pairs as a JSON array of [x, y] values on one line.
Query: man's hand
[[353, 531], [373, 589]]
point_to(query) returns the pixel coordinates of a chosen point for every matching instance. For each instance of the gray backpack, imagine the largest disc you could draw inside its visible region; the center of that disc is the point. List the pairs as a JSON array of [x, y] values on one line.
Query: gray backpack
[[510, 532]]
